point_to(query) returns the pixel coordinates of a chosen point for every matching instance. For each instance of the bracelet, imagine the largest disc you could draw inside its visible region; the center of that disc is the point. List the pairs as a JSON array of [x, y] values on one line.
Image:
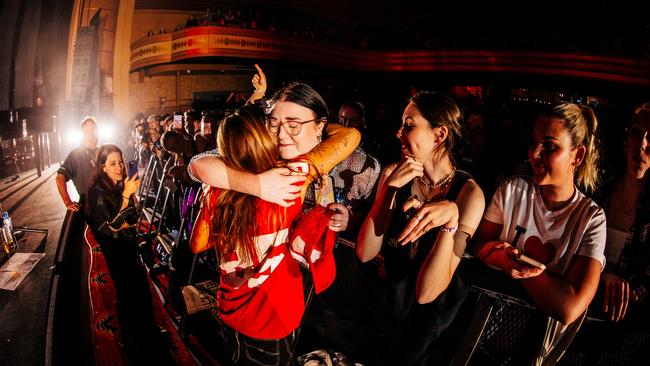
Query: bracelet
[[447, 229]]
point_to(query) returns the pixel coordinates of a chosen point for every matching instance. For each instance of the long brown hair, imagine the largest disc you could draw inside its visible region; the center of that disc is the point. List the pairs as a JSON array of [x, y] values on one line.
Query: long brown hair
[[102, 180], [245, 144]]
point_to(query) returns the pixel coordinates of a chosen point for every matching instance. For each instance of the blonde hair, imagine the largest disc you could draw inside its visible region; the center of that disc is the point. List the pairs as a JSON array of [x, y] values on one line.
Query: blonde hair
[[245, 144], [582, 125]]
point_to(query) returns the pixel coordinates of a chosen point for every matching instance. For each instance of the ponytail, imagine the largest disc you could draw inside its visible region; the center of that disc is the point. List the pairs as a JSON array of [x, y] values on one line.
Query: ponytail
[[582, 124], [587, 174]]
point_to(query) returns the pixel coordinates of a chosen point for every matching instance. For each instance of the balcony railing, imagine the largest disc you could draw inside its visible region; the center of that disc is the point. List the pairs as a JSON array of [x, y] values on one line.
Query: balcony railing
[[213, 41]]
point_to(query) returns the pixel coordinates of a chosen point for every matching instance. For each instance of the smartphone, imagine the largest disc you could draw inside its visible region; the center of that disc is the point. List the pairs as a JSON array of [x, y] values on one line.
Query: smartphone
[[132, 168], [206, 128], [178, 121], [530, 261]]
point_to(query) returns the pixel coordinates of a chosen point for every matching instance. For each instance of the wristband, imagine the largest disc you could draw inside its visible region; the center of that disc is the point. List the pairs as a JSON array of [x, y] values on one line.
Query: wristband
[[449, 229]]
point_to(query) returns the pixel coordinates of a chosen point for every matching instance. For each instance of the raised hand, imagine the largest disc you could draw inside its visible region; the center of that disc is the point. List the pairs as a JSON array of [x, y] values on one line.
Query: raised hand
[[281, 186], [617, 296], [131, 185], [406, 171], [259, 82]]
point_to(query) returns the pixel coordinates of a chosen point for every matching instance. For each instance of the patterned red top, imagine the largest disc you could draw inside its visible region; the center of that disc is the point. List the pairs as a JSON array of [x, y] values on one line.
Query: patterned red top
[[265, 299]]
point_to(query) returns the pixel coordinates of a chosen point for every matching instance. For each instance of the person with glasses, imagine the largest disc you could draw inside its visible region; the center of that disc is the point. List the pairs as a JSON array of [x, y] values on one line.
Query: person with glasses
[[351, 327], [297, 116], [261, 298], [353, 114]]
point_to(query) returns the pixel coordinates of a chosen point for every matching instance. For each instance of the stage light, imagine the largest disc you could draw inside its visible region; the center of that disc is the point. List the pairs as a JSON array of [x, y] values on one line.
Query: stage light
[[105, 132], [73, 137]]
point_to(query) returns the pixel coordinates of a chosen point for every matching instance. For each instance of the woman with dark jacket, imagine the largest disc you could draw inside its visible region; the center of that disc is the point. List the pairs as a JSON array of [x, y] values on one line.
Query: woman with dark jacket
[[112, 217]]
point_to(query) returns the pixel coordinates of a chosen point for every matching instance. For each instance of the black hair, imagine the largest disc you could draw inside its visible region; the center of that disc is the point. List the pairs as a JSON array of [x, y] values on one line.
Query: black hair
[[303, 95]]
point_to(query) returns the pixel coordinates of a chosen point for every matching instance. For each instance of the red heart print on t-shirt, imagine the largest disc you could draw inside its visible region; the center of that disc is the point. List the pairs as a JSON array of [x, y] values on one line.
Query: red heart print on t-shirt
[[542, 252]]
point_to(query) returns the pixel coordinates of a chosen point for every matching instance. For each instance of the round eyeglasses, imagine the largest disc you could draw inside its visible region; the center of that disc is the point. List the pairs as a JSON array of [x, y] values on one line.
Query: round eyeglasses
[[290, 127]]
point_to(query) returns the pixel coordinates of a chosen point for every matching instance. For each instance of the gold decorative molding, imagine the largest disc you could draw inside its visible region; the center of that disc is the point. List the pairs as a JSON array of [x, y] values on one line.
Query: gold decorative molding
[[215, 41]]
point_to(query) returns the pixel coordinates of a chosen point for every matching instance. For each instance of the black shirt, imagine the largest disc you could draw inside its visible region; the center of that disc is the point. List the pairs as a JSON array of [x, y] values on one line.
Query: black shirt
[[79, 166]]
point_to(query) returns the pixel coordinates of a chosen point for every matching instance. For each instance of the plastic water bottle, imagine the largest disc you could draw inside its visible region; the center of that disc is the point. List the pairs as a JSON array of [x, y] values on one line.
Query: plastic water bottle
[[339, 196], [8, 239]]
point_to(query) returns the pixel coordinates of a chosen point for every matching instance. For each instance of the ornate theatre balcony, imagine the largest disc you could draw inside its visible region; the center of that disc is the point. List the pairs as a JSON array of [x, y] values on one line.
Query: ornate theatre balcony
[[213, 41]]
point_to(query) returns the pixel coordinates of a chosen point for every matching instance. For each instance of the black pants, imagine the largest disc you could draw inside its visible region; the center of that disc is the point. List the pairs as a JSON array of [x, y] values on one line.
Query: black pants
[[243, 350], [350, 316], [140, 335]]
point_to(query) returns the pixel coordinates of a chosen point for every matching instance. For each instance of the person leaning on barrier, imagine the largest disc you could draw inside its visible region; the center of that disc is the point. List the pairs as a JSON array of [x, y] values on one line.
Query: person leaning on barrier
[[424, 213], [547, 218]]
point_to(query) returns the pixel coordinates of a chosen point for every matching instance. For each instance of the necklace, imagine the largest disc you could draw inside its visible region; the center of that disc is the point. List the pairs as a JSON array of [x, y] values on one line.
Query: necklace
[[442, 182]]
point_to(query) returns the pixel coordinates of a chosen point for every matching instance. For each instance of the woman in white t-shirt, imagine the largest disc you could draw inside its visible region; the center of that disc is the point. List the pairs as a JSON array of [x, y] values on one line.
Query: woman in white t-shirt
[[545, 217]]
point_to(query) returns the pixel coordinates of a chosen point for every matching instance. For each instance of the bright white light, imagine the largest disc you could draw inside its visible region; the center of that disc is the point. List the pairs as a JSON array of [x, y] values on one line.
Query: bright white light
[[105, 132], [73, 137]]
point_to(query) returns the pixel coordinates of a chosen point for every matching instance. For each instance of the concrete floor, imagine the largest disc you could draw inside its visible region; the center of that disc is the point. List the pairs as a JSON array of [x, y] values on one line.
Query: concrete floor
[[32, 202]]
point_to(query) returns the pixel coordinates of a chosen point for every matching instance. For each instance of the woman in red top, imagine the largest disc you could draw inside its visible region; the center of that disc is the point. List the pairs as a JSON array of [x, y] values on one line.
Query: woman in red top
[[261, 297]]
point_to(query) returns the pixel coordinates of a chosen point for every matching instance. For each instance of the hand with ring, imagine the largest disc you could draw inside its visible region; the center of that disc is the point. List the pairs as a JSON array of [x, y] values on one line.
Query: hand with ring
[[429, 215]]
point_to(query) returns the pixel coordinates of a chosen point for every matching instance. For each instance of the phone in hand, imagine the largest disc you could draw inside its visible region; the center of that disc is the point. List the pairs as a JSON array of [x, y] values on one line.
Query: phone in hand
[[132, 168], [178, 122], [530, 261]]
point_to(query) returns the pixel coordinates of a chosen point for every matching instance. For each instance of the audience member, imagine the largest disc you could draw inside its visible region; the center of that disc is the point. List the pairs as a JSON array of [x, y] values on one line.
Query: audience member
[[547, 218], [424, 213]]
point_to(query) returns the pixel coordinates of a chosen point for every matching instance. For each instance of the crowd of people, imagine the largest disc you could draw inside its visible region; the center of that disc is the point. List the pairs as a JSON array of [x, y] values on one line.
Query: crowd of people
[[288, 22], [486, 27], [321, 241]]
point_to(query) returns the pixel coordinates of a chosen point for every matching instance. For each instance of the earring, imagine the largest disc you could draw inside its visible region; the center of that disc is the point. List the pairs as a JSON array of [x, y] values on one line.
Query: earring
[[319, 138]]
